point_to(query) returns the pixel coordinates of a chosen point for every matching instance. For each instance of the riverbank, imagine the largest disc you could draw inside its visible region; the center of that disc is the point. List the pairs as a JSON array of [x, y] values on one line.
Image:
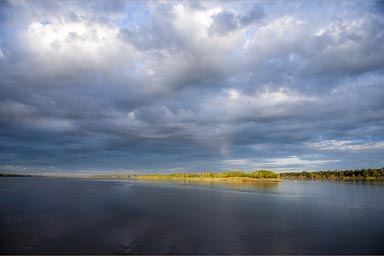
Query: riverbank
[[347, 175], [260, 176], [233, 176]]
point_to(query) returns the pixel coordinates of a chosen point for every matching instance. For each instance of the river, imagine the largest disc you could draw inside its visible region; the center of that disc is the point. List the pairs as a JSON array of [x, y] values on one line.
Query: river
[[122, 216]]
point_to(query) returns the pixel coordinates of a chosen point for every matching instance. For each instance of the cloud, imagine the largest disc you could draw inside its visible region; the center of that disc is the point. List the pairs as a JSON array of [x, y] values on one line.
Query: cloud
[[345, 145], [224, 22], [278, 164], [117, 85]]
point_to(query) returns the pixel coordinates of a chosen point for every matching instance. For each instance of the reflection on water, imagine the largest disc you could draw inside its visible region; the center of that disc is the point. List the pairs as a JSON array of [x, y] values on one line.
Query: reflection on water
[[106, 216], [242, 186]]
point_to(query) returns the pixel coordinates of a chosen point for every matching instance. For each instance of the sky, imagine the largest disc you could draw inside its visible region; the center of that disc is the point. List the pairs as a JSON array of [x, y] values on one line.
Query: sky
[[188, 86]]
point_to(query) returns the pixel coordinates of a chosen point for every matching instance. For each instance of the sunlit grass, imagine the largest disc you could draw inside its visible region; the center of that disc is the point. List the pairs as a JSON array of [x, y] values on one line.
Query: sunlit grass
[[233, 176]]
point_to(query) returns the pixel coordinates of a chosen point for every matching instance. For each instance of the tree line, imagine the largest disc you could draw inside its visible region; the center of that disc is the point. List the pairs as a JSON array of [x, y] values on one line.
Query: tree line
[[345, 174]]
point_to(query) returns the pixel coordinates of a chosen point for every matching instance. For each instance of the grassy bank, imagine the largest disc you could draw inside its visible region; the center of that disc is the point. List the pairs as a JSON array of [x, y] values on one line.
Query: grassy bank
[[234, 176]]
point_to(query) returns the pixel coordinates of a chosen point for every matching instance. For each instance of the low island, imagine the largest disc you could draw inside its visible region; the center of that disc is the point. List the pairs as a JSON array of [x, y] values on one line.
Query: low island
[[233, 176]]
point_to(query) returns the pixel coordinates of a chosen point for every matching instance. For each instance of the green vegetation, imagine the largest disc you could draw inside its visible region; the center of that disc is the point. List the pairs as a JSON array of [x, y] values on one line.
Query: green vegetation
[[233, 176], [363, 174], [237, 176]]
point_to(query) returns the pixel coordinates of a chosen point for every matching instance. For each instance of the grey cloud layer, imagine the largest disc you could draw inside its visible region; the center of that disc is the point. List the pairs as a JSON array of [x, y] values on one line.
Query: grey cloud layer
[[226, 21], [119, 85]]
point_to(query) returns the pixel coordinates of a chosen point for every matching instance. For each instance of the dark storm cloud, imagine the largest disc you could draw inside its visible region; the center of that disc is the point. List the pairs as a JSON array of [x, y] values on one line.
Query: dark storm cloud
[[175, 86]]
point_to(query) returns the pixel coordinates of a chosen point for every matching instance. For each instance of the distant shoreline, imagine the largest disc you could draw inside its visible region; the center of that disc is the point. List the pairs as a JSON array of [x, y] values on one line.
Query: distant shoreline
[[260, 176], [140, 177]]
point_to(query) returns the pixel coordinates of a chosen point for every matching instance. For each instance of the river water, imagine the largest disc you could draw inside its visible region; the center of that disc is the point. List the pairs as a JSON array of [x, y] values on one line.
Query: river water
[[112, 216]]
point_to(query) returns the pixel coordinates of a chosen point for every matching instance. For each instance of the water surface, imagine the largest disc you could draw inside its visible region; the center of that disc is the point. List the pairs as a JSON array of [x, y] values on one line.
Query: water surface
[[95, 216]]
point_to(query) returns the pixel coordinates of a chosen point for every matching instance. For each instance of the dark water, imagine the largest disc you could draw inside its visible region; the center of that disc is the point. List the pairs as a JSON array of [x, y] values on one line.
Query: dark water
[[75, 216]]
